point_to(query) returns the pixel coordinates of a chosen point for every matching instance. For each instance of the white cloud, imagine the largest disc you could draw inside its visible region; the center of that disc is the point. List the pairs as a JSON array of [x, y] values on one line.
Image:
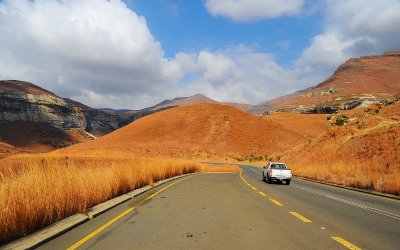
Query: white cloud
[[250, 10], [353, 28], [102, 53], [94, 46], [241, 74]]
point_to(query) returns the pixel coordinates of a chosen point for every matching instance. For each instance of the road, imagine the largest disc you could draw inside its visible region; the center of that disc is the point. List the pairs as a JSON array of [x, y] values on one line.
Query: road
[[232, 211]]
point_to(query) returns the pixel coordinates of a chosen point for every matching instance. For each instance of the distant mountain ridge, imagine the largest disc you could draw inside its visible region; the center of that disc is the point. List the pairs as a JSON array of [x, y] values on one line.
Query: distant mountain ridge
[[356, 83]]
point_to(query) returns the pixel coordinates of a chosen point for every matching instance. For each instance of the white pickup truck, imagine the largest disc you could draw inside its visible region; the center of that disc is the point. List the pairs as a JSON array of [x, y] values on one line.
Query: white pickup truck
[[277, 171]]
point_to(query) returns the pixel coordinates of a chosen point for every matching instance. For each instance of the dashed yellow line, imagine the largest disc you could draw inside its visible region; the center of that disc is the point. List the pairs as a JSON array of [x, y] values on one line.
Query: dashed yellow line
[[276, 202], [98, 230], [346, 243], [263, 194], [301, 217]]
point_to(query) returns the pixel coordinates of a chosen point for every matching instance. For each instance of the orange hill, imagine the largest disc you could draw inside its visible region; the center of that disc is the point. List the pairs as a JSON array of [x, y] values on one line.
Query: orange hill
[[194, 130], [306, 125]]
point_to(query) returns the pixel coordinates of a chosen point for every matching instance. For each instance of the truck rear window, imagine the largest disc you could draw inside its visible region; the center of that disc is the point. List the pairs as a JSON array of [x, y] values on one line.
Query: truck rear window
[[278, 166]]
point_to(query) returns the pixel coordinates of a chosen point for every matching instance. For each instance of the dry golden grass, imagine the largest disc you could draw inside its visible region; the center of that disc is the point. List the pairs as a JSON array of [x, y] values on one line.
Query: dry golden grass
[[382, 179], [36, 191], [364, 155], [218, 168]]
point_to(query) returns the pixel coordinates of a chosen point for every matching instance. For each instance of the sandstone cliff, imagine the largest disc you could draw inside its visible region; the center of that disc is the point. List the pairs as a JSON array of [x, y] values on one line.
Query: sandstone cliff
[[23, 101]]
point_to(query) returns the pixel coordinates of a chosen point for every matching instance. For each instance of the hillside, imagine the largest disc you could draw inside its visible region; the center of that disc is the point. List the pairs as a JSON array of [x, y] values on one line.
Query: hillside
[[195, 131], [182, 101], [361, 148], [356, 83], [14, 86], [7, 150], [306, 125], [268, 105], [38, 137]]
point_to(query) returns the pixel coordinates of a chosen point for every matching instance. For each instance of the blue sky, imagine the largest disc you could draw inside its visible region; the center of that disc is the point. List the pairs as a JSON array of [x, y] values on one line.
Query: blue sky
[[136, 53], [187, 26]]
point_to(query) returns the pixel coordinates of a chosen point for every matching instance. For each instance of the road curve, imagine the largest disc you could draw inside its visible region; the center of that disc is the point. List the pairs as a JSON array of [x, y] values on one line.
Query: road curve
[[231, 211]]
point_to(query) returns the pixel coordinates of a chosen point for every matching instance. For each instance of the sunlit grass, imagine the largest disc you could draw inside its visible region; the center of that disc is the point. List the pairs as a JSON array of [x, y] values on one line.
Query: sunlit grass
[[36, 191]]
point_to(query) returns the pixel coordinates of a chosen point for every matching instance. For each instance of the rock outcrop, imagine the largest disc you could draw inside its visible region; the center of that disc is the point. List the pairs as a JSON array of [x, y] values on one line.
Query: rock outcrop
[[23, 101]]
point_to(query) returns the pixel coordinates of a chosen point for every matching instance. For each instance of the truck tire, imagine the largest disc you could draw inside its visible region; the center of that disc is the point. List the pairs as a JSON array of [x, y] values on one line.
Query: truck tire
[[269, 180], [287, 182], [263, 177]]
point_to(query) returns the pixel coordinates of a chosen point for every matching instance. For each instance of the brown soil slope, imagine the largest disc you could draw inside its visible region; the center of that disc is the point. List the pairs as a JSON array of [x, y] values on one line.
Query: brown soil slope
[[195, 129], [13, 86], [37, 137], [7, 150]]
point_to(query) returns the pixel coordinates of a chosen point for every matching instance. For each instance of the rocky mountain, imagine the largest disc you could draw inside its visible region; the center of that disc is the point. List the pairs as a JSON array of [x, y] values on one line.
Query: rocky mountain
[[26, 102], [358, 82]]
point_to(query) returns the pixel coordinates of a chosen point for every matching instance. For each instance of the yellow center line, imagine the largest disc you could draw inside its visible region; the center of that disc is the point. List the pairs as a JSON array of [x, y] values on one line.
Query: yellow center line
[[98, 230], [345, 243], [299, 216], [262, 193], [276, 202]]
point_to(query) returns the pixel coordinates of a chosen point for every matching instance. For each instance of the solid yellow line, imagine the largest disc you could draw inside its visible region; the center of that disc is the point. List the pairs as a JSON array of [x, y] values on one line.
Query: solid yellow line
[[98, 230], [254, 188], [262, 193], [301, 217], [276, 202], [346, 243]]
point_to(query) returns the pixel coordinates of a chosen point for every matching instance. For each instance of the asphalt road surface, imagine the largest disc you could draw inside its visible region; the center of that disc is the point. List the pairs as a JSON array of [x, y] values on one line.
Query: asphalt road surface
[[232, 211]]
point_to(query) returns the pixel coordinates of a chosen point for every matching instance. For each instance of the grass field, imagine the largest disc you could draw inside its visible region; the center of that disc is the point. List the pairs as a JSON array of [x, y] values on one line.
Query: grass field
[[36, 191]]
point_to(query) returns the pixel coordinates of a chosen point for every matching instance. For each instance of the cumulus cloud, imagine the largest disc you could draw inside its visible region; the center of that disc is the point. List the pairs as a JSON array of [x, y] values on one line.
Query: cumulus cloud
[[241, 74], [102, 53], [353, 28], [250, 10], [77, 47]]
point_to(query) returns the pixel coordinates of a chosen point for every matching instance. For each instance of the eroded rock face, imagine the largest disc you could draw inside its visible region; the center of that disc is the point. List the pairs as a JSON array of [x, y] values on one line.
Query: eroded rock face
[[333, 106], [21, 101]]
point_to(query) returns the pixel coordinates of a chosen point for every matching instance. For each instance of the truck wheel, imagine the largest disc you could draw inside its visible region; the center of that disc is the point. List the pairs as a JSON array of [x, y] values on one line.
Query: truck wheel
[[287, 182], [263, 177], [269, 180]]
